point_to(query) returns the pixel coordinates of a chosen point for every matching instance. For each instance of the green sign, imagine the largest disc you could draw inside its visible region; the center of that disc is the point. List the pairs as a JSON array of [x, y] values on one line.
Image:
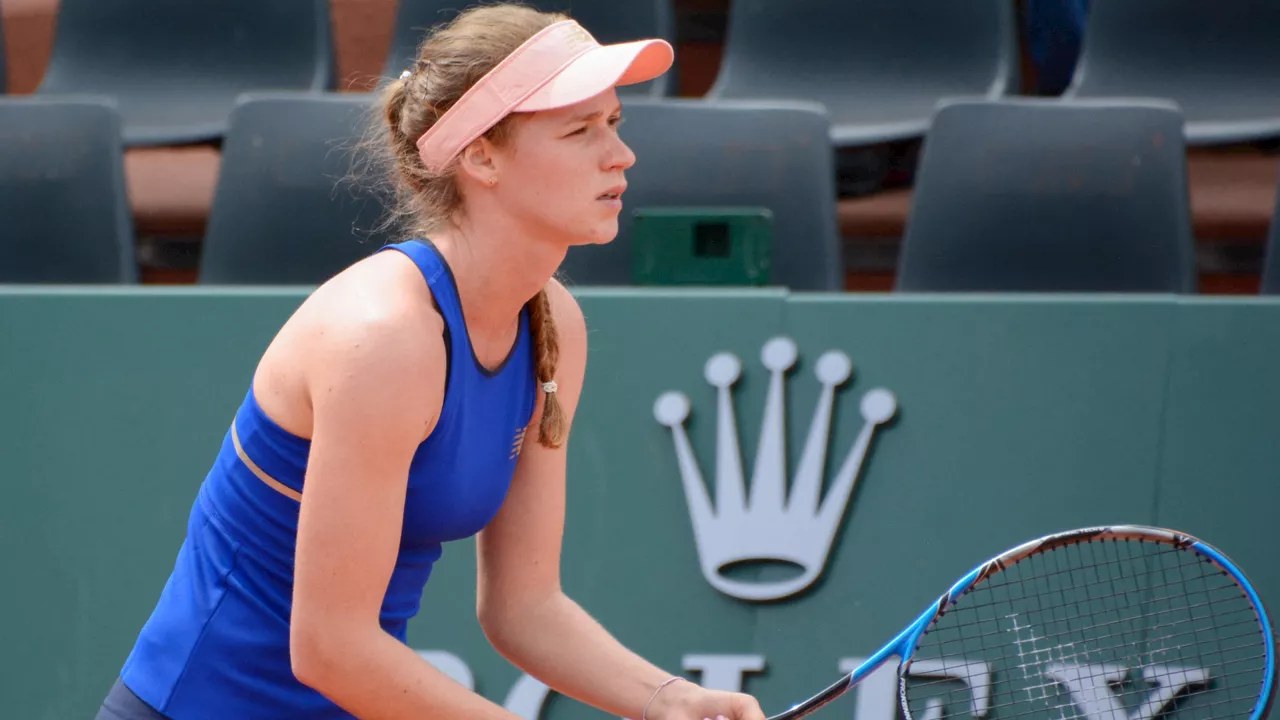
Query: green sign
[[702, 246], [763, 487]]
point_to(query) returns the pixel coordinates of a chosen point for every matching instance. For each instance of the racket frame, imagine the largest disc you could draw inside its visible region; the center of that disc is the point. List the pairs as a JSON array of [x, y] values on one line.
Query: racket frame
[[904, 643]]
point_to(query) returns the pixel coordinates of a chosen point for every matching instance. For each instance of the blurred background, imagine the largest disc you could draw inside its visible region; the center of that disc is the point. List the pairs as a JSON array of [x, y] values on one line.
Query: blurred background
[[877, 69], [1047, 227]]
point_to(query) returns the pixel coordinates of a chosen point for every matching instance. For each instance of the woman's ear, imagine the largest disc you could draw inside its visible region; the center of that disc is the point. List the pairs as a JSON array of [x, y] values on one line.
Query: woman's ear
[[477, 162]]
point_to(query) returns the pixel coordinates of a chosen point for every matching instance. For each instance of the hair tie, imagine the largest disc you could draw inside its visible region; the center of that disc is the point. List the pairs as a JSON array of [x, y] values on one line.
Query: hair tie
[[549, 386], [421, 66]]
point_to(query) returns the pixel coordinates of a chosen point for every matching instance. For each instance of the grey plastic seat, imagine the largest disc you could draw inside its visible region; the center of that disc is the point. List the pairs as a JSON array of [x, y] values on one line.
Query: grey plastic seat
[[1040, 195], [880, 66], [608, 20], [64, 211], [1271, 267], [694, 153], [1219, 61], [1271, 261], [175, 68], [4, 82], [284, 209]]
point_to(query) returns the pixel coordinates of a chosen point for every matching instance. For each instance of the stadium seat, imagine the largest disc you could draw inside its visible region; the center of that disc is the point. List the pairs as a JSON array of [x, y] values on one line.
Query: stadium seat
[[285, 209], [694, 153], [1220, 62], [176, 68], [1271, 263], [4, 76], [611, 21], [62, 193], [1029, 195], [880, 66]]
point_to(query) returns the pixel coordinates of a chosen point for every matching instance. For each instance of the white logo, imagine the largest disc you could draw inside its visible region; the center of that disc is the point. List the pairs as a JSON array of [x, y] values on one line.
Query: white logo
[[1092, 691], [770, 526]]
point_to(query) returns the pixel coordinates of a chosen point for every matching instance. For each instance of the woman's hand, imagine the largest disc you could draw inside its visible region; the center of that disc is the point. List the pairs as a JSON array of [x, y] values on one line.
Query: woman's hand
[[684, 700]]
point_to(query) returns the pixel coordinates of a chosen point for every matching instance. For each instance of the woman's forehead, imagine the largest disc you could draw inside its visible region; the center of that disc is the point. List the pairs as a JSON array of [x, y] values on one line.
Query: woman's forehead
[[604, 103]]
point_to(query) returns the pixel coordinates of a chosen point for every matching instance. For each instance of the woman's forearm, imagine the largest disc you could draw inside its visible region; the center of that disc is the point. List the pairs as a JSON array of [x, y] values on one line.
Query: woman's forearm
[[374, 676], [557, 642]]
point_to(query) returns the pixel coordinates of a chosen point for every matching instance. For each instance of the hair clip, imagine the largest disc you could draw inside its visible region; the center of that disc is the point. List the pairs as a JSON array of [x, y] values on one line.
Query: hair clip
[[405, 74]]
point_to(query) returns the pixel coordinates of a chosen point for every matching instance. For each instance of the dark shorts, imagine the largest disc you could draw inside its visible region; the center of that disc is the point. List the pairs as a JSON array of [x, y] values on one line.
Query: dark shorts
[[122, 704]]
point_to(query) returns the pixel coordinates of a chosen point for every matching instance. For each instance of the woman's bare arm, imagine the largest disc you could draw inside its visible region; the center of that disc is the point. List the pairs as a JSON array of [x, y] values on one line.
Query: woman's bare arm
[[521, 607], [374, 398]]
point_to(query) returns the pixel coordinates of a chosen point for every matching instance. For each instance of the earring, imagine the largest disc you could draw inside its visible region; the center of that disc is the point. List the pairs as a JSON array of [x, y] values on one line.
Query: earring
[[492, 181]]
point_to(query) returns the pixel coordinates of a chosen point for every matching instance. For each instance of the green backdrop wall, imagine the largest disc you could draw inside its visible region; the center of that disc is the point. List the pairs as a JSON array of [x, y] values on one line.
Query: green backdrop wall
[[1015, 416]]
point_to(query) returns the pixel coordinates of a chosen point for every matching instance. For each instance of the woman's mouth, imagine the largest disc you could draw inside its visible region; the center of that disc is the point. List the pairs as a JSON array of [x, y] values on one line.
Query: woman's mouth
[[612, 198]]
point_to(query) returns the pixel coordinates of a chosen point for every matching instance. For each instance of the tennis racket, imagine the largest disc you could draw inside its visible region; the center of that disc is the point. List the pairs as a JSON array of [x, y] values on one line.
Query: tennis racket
[[1106, 623]]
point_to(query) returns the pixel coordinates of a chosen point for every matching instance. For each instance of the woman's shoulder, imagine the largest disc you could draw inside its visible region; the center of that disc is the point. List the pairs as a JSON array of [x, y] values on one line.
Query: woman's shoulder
[[371, 329], [385, 291]]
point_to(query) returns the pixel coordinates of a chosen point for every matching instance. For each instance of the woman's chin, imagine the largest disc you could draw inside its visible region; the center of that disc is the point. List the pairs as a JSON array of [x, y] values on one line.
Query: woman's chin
[[602, 234]]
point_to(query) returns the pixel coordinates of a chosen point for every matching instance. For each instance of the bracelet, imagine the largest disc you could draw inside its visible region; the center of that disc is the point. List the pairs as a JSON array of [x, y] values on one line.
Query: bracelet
[[644, 713]]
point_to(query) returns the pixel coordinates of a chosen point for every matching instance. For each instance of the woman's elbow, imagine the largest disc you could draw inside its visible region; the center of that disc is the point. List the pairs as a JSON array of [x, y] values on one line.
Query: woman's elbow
[[492, 627], [507, 622], [314, 653]]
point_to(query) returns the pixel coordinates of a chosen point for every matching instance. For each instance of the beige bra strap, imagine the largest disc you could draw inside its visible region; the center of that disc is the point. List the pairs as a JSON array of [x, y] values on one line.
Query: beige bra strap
[[263, 476]]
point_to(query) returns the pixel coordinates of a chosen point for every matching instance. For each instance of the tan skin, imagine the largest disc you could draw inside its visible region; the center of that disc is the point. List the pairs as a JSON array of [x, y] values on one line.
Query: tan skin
[[359, 369]]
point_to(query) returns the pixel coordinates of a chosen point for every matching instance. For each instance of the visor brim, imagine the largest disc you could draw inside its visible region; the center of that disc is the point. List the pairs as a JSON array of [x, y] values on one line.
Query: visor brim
[[597, 70]]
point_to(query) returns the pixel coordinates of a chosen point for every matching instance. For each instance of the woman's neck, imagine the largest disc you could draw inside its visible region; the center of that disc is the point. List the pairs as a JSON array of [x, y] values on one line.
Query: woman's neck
[[497, 270]]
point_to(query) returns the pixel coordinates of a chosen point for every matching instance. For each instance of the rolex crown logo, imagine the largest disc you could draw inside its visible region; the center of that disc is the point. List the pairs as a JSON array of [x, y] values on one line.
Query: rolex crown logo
[[769, 525]]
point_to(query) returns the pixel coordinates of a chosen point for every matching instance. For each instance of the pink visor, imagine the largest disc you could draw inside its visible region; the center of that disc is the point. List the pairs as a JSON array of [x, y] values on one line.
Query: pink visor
[[559, 66]]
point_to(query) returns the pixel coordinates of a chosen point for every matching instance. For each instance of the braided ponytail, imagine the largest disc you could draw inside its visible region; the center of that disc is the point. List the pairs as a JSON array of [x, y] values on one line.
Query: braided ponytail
[[551, 431]]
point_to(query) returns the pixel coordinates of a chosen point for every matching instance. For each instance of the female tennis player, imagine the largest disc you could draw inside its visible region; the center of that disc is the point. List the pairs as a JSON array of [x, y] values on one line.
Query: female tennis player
[[389, 416]]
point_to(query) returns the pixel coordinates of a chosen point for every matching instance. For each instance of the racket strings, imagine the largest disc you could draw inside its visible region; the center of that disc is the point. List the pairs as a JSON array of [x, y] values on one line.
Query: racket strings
[[996, 709], [1250, 622], [1258, 668], [1250, 633], [1097, 629], [1231, 591], [1198, 690], [1162, 645], [1080, 565]]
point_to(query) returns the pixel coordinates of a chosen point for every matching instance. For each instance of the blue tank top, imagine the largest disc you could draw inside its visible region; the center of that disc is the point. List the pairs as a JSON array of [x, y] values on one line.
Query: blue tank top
[[217, 643]]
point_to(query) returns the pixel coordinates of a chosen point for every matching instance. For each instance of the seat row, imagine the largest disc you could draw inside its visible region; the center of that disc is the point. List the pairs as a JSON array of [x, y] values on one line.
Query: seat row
[[879, 66], [175, 69], [291, 207], [1011, 195]]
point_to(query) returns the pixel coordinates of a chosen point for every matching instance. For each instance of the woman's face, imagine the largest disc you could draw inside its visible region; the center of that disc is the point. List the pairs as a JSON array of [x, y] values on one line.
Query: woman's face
[[562, 171]]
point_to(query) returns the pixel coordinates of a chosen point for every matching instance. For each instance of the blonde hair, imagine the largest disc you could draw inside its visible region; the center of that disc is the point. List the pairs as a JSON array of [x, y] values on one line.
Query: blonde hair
[[451, 58]]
